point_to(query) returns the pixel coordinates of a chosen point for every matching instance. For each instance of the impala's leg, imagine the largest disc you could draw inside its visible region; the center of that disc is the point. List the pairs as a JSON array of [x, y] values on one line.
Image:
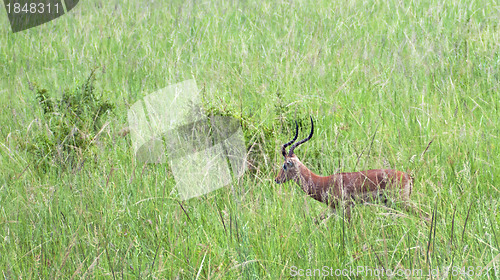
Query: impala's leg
[[347, 209], [327, 213], [409, 207], [324, 216], [383, 198], [415, 210]]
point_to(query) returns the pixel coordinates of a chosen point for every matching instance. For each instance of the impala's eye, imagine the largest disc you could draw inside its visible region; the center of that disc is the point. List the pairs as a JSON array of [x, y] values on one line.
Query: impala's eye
[[284, 166]]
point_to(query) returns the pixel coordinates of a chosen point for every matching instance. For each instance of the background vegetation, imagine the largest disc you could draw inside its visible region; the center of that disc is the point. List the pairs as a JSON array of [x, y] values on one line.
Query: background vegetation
[[382, 79]]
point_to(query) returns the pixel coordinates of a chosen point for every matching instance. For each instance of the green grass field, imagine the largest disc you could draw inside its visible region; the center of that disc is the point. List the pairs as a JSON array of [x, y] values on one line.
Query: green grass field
[[382, 79]]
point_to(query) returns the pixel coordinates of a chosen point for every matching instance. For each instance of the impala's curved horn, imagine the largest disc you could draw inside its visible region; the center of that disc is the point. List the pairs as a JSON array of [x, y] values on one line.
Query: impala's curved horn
[[283, 148], [290, 153]]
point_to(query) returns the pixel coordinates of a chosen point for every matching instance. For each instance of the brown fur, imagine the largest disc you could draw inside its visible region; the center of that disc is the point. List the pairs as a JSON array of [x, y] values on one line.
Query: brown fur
[[346, 187]]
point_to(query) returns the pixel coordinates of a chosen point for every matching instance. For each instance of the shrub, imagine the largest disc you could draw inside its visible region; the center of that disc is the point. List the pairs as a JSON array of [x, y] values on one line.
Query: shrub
[[70, 125]]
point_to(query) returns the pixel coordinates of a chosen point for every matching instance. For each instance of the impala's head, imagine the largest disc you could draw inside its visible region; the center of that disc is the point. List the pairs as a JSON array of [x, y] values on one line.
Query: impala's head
[[290, 168]]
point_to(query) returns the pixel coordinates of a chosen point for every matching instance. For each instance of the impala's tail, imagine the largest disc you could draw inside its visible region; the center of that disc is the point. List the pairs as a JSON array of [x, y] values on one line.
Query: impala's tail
[[410, 184]]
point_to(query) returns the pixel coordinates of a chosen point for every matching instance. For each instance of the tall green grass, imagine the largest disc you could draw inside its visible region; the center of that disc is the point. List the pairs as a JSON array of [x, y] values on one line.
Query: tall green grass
[[381, 79]]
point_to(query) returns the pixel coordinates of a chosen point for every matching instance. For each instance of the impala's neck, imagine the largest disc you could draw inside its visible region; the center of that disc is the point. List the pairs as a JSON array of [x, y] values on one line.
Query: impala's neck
[[314, 185]]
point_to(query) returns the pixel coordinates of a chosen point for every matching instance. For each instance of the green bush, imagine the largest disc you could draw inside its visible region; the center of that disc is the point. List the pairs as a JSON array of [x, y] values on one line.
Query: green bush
[[69, 126]]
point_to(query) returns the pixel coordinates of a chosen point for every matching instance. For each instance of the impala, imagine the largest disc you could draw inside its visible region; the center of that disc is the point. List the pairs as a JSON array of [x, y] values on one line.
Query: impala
[[342, 187]]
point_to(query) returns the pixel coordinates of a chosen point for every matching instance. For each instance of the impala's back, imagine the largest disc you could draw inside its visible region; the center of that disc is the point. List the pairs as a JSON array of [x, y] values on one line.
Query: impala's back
[[371, 183]]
